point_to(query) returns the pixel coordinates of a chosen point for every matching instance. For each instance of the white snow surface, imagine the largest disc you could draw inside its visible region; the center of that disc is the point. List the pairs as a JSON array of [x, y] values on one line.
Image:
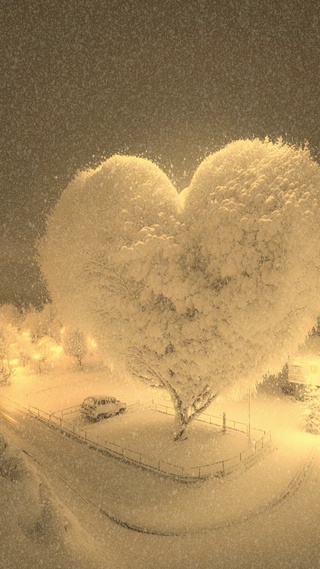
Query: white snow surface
[[62, 501]]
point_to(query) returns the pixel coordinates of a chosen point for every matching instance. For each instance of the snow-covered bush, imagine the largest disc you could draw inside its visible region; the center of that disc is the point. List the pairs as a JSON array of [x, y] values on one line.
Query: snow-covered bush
[[11, 461], [312, 408], [206, 291], [37, 530]]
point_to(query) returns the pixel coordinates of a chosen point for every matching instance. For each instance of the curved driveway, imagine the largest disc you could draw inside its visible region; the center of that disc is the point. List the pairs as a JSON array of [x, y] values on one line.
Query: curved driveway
[[265, 526]]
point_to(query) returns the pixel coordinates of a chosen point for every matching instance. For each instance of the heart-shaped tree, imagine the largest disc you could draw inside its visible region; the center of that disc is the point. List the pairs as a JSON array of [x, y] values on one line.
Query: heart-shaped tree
[[205, 291]]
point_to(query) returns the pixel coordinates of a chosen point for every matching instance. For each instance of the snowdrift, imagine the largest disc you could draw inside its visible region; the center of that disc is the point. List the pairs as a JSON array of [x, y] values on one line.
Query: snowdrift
[[36, 529]]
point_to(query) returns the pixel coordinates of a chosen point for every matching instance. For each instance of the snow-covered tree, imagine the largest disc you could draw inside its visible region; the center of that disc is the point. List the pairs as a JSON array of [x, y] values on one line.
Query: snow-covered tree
[[9, 314], [24, 348], [8, 336], [208, 290], [75, 345], [43, 322], [10, 319]]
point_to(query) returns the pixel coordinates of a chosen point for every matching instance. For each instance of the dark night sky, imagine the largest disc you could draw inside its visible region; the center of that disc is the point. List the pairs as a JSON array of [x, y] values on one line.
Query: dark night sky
[[172, 80]]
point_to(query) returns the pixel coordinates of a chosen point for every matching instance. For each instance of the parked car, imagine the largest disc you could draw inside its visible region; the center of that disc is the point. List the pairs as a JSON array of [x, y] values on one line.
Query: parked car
[[100, 406]]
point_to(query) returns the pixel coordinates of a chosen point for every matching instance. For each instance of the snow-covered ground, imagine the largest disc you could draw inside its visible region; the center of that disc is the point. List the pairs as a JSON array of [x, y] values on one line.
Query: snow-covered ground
[[66, 505]]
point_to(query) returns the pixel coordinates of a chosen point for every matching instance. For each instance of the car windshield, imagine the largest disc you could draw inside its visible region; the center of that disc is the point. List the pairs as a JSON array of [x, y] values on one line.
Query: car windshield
[[89, 401]]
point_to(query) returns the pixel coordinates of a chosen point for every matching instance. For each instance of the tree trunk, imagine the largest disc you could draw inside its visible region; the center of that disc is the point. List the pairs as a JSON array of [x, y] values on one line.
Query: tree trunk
[[185, 415], [181, 429], [181, 435]]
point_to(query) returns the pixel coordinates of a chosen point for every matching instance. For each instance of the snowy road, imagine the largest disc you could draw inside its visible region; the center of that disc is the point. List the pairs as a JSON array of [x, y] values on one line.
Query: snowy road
[[285, 535]]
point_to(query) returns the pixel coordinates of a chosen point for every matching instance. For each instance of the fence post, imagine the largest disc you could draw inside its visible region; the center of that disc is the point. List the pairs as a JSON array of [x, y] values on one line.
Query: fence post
[[224, 422]]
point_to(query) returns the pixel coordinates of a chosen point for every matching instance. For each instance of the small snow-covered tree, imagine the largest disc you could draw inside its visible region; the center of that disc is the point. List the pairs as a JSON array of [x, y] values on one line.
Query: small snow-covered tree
[[10, 319], [8, 336], [75, 345], [208, 290], [24, 348]]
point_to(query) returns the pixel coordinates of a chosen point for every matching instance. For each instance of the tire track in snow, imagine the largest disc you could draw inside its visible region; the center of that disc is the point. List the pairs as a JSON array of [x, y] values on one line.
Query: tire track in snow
[[291, 489]]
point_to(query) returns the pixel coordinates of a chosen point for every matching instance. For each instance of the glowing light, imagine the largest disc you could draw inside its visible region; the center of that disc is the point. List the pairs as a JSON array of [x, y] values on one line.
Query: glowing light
[[56, 349], [92, 343]]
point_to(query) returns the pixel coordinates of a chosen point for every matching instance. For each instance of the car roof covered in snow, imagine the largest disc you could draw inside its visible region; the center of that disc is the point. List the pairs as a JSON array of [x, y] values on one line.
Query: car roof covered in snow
[[96, 397]]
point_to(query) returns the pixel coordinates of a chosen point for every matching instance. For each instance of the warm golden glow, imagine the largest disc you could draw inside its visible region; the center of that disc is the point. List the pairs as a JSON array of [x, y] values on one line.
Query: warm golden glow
[[56, 349], [92, 343]]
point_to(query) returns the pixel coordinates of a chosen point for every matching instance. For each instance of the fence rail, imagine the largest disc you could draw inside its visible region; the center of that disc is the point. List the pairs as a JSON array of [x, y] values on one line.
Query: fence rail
[[218, 421], [219, 468]]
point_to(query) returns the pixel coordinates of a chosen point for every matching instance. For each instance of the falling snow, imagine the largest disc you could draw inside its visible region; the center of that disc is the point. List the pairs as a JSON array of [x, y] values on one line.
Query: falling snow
[[217, 282]]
